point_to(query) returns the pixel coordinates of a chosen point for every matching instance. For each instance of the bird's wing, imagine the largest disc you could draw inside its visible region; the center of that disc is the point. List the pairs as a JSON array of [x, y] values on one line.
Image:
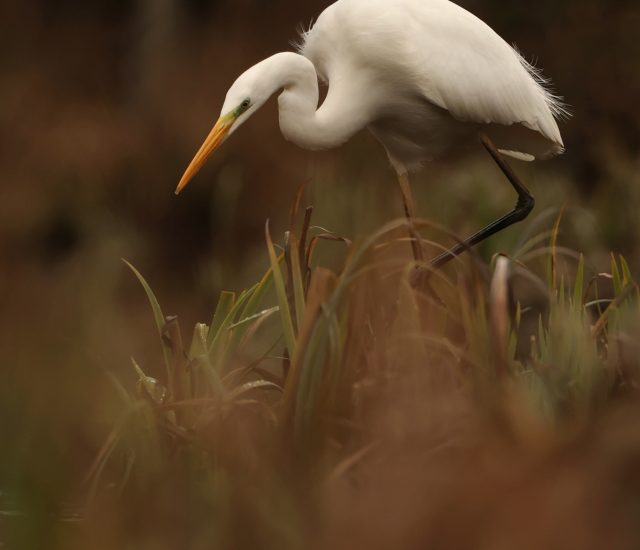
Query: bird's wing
[[447, 54], [463, 66]]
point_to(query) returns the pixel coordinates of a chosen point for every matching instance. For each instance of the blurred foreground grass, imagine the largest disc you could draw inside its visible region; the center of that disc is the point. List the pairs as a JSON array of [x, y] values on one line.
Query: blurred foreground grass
[[495, 407]]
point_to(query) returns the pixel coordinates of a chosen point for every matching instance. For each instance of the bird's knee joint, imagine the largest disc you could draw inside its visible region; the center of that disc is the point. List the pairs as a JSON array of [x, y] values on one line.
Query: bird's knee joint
[[525, 204]]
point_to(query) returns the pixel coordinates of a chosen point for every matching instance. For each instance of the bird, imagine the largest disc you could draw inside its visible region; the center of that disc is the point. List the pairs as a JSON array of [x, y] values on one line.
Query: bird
[[423, 76]]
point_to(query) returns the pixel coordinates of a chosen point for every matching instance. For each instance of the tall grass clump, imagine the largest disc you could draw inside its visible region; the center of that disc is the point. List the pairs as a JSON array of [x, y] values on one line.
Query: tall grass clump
[[486, 406]]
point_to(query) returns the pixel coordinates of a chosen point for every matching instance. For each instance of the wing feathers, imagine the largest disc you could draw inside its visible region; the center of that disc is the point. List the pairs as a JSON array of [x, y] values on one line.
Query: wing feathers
[[453, 59]]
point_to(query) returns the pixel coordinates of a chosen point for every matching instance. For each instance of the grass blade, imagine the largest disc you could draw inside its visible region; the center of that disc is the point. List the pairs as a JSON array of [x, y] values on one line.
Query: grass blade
[[225, 305], [553, 256], [626, 272], [160, 322], [615, 274], [222, 334], [297, 281], [281, 291], [245, 321], [578, 288]]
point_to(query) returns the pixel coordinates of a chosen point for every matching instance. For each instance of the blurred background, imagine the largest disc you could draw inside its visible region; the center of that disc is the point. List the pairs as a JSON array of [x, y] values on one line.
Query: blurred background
[[102, 105]]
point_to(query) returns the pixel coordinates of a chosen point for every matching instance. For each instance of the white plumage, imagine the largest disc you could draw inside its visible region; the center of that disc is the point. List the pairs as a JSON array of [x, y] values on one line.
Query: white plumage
[[423, 76], [430, 72]]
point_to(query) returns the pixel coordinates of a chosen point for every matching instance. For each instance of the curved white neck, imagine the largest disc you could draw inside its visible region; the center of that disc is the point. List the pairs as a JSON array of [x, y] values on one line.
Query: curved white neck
[[301, 121]]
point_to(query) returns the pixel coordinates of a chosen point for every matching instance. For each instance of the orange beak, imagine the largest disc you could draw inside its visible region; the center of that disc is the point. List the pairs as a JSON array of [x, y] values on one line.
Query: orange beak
[[213, 141]]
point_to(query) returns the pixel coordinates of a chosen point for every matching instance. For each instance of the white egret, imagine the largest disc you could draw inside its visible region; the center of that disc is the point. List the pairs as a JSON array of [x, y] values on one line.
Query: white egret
[[422, 75]]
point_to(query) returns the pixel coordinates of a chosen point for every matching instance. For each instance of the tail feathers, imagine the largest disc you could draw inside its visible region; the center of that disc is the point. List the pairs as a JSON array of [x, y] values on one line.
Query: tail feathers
[[522, 143], [555, 102]]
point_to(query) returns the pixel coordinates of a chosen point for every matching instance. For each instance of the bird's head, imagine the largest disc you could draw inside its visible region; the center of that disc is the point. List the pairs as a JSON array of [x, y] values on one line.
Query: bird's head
[[245, 97]]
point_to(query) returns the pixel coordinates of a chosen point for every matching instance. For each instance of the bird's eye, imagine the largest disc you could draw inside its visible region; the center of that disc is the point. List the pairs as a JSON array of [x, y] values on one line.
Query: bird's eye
[[245, 104]]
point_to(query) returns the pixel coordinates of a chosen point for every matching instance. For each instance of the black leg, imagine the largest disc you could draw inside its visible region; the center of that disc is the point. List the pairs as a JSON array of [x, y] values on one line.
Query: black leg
[[522, 209]]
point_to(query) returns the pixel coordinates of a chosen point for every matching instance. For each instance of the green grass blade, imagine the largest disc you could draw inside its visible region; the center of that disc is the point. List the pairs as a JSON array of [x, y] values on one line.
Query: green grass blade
[[222, 332], [247, 320], [251, 309], [553, 256], [258, 294], [297, 282], [253, 386], [225, 305], [336, 343], [201, 364], [311, 371], [155, 305], [281, 292], [543, 350], [160, 323], [198, 340], [626, 272], [615, 274], [578, 287]]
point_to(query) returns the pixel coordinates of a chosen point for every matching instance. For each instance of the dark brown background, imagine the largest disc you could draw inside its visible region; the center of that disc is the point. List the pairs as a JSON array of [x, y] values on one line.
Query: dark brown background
[[103, 103]]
